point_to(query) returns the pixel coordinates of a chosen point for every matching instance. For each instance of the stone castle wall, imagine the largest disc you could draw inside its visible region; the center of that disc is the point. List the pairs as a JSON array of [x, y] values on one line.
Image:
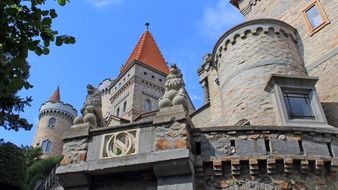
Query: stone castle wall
[[246, 56], [320, 50], [54, 134]]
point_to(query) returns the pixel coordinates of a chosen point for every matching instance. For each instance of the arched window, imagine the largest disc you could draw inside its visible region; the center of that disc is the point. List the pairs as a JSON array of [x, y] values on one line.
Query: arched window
[[124, 106], [51, 122], [118, 112], [46, 146], [147, 105]]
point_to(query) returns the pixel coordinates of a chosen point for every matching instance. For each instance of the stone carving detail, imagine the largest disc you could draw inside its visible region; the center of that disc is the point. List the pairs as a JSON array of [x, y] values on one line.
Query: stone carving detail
[[91, 111], [120, 144], [74, 151], [174, 89]]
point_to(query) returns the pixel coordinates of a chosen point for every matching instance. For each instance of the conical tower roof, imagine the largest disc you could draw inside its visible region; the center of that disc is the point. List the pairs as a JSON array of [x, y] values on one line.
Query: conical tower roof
[[147, 52], [55, 96]]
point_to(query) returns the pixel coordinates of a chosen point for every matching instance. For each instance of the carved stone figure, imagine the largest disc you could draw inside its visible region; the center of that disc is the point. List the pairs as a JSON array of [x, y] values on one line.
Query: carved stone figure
[[174, 89], [91, 111]]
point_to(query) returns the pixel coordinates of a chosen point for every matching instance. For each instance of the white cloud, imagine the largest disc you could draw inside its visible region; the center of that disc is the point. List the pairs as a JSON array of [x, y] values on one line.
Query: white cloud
[[105, 3], [219, 18]]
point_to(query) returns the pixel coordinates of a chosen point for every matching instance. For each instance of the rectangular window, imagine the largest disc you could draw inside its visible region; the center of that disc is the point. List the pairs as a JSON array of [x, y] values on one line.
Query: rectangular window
[[315, 17], [298, 105]]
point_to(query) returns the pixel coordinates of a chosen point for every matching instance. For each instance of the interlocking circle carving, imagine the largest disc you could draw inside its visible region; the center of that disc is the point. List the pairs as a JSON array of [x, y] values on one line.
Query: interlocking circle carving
[[121, 144]]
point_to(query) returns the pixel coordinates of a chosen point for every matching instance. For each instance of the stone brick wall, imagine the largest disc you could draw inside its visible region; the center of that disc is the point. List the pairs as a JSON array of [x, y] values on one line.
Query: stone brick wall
[[53, 134], [265, 158], [246, 57], [318, 50]]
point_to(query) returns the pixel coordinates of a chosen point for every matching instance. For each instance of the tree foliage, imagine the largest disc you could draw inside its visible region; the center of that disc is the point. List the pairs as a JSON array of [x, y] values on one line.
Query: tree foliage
[[24, 27], [39, 170], [12, 167]]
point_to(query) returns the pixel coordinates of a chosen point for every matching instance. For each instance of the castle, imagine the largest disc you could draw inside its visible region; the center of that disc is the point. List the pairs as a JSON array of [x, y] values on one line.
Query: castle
[[268, 123]]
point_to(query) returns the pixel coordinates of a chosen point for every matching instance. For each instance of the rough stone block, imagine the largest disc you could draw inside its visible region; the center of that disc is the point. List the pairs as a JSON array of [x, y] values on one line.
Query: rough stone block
[[315, 149], [282, 147], [250, 147], [76, 131], [334, 148]]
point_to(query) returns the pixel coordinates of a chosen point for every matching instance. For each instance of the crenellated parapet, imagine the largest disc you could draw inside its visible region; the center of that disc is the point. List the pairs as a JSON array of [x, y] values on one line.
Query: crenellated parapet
[[274, 157], [58, 108]]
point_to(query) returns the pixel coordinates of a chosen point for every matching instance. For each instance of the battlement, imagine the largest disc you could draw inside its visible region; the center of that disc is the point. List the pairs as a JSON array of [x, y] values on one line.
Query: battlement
[[58, 107]]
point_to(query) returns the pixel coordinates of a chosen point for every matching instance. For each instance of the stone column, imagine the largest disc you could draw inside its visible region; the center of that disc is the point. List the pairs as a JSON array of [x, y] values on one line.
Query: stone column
[[172, 135]]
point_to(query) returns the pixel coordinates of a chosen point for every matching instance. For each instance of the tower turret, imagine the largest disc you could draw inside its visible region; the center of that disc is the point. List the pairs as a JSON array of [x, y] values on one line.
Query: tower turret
[[55, 118]]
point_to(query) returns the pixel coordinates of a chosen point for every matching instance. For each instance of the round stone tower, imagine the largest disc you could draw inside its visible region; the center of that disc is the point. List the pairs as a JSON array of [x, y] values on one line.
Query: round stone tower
[[55, 118], [246, 56]]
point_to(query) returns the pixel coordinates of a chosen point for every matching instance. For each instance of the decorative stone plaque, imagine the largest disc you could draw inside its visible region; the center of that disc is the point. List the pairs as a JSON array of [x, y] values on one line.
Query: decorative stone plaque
[[120, 143]]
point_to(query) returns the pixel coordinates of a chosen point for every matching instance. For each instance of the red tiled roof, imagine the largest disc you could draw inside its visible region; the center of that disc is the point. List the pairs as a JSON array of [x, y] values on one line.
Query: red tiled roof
[[147, 52], [55, 96]]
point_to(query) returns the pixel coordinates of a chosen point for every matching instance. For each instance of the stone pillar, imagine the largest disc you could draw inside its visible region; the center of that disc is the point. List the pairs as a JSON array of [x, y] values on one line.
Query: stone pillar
[[172, 135], [70, 172], [246, 56]]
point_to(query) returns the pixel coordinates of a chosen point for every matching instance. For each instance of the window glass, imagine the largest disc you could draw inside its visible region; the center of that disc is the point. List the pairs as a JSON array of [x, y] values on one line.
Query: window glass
[[314, 16], [51, 122], [46, 146], [298, 105], [147, 105], [118, 112], [124, 106]]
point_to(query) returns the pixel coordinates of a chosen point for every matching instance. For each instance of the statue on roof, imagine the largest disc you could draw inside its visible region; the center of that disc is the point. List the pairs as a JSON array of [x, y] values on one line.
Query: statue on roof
[[91, 111], [174, 89]]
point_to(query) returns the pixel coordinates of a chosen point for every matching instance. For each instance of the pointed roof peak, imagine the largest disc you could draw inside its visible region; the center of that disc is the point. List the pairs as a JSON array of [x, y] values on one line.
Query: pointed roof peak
[[55, 96], [147, 52]]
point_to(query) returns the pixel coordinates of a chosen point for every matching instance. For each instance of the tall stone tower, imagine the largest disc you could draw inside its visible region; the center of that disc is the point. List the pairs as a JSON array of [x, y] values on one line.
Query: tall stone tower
[[139, 85], [316, 24], [54, 119]]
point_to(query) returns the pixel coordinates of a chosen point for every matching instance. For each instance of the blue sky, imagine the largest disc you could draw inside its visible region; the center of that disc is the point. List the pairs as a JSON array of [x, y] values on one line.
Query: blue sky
[[106, 32]]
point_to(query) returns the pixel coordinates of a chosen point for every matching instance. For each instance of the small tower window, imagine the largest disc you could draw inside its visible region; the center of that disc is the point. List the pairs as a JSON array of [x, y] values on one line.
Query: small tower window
[[147, 105], [315, 17], [51, 122], [118, 112], [124, 106], [46, 146]]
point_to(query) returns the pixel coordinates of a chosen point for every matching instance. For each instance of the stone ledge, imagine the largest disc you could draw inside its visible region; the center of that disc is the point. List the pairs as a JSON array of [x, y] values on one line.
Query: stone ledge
[[77, 131], [332, 130], [126, 163], [170, 114]]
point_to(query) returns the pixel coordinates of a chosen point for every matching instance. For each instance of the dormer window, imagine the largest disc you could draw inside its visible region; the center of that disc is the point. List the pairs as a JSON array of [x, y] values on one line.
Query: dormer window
[[297, 102], [315, 17]]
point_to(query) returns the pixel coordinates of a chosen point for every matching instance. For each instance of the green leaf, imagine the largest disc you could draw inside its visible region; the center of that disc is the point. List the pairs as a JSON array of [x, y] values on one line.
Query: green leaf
[[46, 21], [45, 51], [59, 41], [52, 13], [69, 40], [62, 2], [12, 11], [38, 51]]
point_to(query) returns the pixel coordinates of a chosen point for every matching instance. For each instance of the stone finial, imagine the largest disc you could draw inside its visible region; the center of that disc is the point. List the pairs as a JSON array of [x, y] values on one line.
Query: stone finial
[[174, 89], [91, 111]]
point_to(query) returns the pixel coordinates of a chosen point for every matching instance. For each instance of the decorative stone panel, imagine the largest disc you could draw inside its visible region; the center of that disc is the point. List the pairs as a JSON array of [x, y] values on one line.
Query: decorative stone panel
[[315, 149], [250, 147], [120, 143]]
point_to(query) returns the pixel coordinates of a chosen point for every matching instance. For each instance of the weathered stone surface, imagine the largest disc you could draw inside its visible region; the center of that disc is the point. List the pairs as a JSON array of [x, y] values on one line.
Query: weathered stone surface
[[250, 147], [283, 147], [315, 149], [74, 151]]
